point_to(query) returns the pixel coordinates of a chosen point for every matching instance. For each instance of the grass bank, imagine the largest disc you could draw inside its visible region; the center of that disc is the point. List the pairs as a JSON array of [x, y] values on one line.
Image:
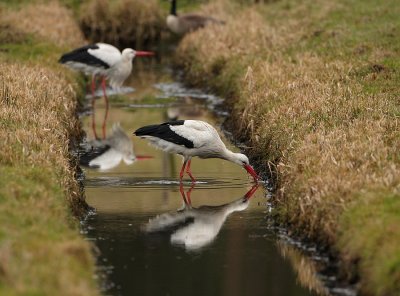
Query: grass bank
[[314, 90], [41, 250], [126, 23]]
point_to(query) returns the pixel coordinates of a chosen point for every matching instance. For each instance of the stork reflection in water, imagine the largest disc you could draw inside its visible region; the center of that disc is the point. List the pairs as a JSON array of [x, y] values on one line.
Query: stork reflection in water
[[195, 228], [108, 153]]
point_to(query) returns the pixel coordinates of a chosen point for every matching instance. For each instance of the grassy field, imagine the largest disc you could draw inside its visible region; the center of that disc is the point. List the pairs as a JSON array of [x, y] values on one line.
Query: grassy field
[[41, 250], [314, 89]]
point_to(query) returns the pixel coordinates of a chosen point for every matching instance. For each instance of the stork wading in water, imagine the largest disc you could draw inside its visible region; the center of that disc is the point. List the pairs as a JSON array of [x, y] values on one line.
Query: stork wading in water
[[185, 23], [106, 61], [191, 138]]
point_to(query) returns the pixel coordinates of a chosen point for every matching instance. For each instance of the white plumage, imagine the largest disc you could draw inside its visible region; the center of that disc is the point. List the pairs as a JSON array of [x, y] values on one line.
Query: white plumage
[[191, 138], [105, 60]]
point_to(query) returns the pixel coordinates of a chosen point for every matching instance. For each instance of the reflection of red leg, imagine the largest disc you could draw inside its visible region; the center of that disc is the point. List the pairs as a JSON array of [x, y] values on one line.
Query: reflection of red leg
[[103, 86], [186, 197], [190, 192], [93, 88], [250, 193], [182, 170], [188, 171], [182, 191]]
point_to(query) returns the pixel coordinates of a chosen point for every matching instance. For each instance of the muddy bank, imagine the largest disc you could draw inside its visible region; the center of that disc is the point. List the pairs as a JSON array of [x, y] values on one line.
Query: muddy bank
[[318, 118]]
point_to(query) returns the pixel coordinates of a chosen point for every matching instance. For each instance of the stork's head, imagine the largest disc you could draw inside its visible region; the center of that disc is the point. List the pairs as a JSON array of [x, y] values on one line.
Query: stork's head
[[130, 158], [242, 160], [130, 54]]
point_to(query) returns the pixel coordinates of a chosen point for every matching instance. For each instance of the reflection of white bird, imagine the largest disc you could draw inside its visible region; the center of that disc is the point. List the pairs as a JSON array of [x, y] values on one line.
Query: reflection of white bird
[[108, 153], [106, 61], [191, 138], [185, 23], [196, 227]]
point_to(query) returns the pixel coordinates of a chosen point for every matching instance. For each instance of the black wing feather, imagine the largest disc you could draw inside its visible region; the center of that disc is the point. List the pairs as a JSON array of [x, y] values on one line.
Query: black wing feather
[[164, 132], [81, 55]]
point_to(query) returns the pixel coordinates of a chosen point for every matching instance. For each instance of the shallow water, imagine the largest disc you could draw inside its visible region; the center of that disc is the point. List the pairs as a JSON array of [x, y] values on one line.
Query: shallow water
[[152, 240]]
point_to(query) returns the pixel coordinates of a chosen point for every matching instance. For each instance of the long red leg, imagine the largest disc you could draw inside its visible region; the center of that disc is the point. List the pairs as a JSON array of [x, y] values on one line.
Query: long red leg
[[93, 88], [189, 172], [103, 86], [182, 170], [181, 189]]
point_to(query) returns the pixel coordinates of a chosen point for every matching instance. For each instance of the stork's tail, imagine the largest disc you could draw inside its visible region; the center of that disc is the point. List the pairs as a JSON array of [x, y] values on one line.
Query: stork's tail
[[147, 130]]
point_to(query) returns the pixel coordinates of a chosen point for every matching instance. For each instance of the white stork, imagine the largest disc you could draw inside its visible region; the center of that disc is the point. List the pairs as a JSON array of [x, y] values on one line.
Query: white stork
[[191, 138], [103, 60], [185, 23]]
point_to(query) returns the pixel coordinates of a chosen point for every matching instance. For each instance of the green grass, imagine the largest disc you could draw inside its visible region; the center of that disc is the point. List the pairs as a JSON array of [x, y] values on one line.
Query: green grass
[[31, 50], [39, 236], [154, 100], [358, 30], [71, 4], [370, 231]]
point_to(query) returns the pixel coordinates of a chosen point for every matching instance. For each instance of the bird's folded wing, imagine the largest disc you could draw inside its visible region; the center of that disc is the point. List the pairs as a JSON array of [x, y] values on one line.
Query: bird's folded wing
[[199, 133], [107, 53], [111, 158]]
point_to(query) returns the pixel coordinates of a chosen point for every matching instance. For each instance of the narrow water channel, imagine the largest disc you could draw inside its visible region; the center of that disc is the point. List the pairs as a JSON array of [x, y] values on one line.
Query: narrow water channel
[[150, 242]]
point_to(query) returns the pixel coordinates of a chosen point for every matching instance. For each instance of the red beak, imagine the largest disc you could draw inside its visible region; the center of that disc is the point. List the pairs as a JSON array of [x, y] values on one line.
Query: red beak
[[251, 171], [144, 53]]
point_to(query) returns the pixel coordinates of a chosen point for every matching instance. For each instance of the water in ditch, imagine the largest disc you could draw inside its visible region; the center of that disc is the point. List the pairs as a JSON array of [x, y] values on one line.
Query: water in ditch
[[155, 236]]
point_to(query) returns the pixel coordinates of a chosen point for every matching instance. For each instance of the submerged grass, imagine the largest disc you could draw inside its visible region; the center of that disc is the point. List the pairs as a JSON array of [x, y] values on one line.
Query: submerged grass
[[314, 87], [41, 250]]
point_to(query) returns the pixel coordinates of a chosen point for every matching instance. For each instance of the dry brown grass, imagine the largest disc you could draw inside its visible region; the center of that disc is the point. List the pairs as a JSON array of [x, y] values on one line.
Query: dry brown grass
[[321, 113], [41, 252], [35, 101], [49, 21], [330, 138], [128, 23]]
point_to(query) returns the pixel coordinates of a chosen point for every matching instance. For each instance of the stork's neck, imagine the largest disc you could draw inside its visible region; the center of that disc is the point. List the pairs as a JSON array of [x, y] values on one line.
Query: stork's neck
[[230, 156], [173, 7], [126, 59], [236, 206]]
